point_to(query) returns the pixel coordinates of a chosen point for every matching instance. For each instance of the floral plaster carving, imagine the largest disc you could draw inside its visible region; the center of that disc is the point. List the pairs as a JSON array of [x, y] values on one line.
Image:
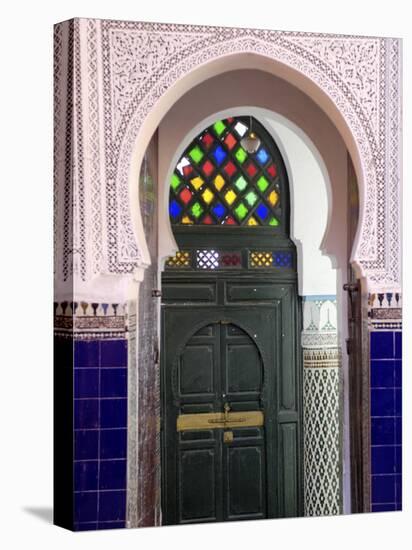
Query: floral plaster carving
[[126, 67]]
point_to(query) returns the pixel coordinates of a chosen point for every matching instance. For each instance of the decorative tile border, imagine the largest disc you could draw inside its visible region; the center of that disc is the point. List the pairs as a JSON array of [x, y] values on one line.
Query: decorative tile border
[[90, 320], [385, 311]]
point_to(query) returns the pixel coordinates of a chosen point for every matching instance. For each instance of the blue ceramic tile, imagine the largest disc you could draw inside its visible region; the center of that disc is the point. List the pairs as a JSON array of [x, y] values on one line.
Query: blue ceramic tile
[[384, 507], [382, 345], [112, 505], [86, 444], [113, 413], [398, 430], [398, 482], [85, 506], [113, 353], [112, 474], [398, 402], [382, 374], [87, 526], [382, 402], [85, 475], [398, 345], [113, 382], [398, 459], [383, 460], [113, 443], [86, 413], [86, 382], [383, 431], [86, 354], [398, 373], [111, 525], [383, 489]]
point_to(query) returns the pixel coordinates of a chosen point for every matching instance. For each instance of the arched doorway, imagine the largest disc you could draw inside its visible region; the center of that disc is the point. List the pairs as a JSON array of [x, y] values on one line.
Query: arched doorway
[[231, 382]]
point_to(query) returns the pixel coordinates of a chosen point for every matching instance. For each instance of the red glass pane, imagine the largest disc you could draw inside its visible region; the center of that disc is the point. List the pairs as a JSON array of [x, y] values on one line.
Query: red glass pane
[[251, 169], [230, 221], [230, 168], [187, 170], [230, 141], [230, 120], [185, 195], [208, 168], [207, 140], [272, 171], [230, 259], [208, 220]]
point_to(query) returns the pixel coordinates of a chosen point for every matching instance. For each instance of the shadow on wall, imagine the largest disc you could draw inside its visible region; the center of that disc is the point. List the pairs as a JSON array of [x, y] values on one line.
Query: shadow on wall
[[42, 513]]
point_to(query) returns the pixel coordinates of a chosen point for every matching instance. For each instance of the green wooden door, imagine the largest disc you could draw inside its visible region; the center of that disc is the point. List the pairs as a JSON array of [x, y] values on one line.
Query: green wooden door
[[241, 356]]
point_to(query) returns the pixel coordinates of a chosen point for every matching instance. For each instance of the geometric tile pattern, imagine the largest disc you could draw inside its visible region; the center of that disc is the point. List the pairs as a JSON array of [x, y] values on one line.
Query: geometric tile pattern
[[321, 441]]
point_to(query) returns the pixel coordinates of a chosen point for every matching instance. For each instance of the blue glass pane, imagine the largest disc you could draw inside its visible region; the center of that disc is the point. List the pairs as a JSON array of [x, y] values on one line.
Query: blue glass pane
[[282, 259], [220, 154], [219, 210], [262, 156], [175, 209], [262, 211]]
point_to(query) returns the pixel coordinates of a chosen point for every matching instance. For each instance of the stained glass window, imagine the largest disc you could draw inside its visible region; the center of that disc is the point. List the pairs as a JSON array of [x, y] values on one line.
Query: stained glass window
[[217, 182]]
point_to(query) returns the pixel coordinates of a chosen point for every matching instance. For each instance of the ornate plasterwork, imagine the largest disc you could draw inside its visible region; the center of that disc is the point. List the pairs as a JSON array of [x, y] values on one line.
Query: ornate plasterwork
[[127, 67]]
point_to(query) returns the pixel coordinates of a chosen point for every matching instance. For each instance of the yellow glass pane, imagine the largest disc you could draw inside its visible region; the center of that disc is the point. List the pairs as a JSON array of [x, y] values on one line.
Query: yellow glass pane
[[230, 196], [197, 183], [208, 196], [219, 182], [187, 220], [252, 221], [273, 198]]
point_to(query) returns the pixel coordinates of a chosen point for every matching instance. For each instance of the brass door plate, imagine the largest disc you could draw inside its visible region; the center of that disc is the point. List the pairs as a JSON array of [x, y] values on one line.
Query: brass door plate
[[208, 421], [227, 437]]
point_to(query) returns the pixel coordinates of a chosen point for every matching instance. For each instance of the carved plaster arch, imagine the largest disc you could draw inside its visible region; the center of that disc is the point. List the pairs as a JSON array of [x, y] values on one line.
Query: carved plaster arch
[[141, 69]]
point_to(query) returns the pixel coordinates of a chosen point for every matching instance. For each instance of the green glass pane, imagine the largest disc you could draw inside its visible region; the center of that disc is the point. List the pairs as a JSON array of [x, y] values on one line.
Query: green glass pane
[[241, 211], [251, 198], [273, 221], [241, 155], [241, 183], [197, 209], [219, 127], [175, 182], [262, 183], [196, 154]]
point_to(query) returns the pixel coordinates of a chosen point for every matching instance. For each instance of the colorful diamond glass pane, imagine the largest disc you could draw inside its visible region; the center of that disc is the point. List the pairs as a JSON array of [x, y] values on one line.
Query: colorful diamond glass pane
[[175, 209], [197, 209], [241, 155], [251, 169], [282, 259], [262, 183], [252, 221], [219, 182], [241, 211], [175, 182], [230, 196], [219, 127], [273, 221], [273, 197], [230, 221], [187, 170], [241, 183], [230, 141], [208, 220], [219, 155], [197, 182], [208, 140], [262, 211], [187, 221], [240, 129], [230, 168], [207, 196], [271, 170], [262, 156], [219, 210], [251, 198], [196, 154], [185, 195], [230, 120], [208, 168]]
